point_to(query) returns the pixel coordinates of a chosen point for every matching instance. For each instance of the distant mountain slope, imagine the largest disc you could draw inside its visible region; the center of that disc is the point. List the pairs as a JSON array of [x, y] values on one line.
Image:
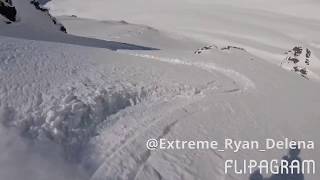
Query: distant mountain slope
[[35, 24], [264, 28]]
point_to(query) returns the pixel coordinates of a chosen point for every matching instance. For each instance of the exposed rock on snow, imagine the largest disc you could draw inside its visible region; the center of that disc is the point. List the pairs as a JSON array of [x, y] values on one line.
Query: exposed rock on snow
[[38, 25], [232, 47], [39, 7], [206, 48], [225, 48], [8, 10], [298, 60]]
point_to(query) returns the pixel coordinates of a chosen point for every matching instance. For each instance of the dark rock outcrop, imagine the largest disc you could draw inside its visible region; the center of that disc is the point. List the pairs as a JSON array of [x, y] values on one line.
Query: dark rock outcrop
[[298, 60], [7, 10], [226, 48], [206, 48], [39, 6], [232, 47]]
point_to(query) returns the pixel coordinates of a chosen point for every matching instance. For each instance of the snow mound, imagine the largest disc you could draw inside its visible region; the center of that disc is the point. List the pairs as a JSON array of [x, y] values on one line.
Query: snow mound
[[71, 121]]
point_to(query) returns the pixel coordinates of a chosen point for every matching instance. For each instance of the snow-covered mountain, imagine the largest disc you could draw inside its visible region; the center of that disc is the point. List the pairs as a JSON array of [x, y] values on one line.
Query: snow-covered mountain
[[81, 102]]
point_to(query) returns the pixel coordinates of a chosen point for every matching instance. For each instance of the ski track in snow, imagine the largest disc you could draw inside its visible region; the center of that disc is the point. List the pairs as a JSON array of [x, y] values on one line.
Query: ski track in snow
[[69, 107], [132, 156], [239, 78], [128, 159]]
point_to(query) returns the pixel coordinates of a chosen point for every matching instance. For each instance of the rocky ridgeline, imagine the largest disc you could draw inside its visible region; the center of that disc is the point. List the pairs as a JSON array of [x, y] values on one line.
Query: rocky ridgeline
[[9, 12], [38, 5], [206, 48], [298, 60], [225, 48]]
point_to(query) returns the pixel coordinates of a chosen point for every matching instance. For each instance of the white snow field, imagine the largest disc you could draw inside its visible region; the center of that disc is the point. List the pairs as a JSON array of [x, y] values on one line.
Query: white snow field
[[81, 105]]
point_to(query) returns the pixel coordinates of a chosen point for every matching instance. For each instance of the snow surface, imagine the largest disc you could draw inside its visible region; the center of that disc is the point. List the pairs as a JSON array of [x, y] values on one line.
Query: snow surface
[[266, 29], [82, 106]]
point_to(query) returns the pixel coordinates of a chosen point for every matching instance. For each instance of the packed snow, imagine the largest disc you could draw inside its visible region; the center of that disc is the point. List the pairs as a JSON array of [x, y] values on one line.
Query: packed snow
[[81, 102]]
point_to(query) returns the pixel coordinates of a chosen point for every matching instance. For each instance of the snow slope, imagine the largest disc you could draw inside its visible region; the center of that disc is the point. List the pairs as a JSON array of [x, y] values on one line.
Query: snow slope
[[266, 29], [82, 106], [127, 32]]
